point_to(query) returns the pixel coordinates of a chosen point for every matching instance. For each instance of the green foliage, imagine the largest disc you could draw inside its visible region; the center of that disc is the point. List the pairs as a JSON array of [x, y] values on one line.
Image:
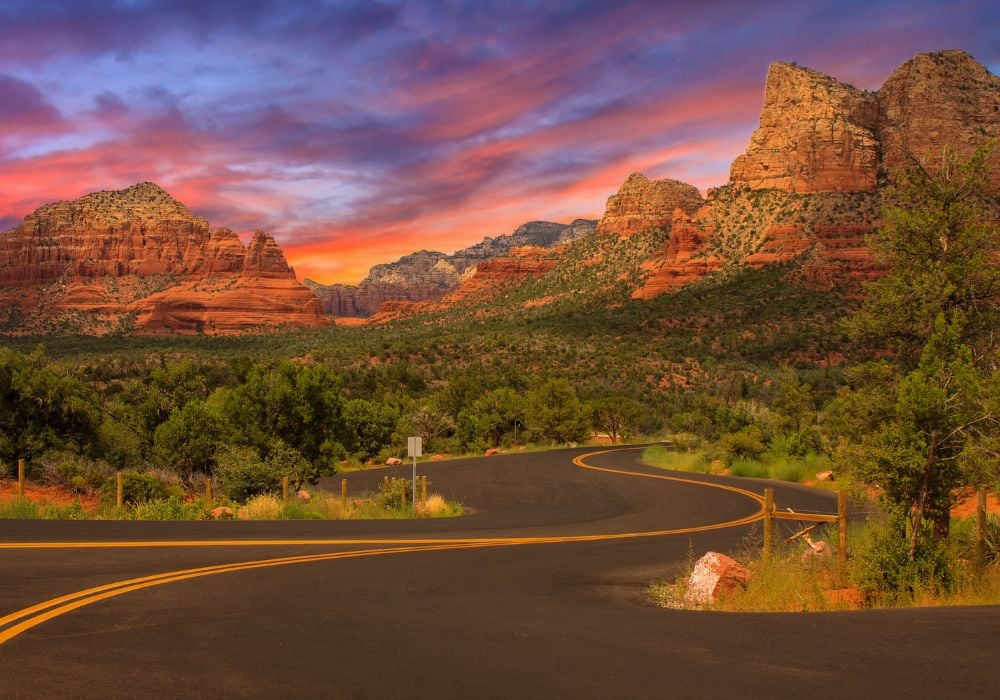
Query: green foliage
[[300, 404], [171, 508], [911, 427], [41, 408], [555, 414], [683, 461], [73, 471], [243, 473], [887, 572], [137, 487], [938, 241], [745, 443], [369, 426], [618, 416], [391, 492], [187, 441]]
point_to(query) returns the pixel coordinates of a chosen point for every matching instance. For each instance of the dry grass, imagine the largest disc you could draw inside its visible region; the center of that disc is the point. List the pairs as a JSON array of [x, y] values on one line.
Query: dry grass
[[325, 506]]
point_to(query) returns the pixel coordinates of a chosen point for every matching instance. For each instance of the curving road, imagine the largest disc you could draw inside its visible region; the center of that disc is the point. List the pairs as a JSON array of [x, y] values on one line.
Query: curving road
[[538, 592]]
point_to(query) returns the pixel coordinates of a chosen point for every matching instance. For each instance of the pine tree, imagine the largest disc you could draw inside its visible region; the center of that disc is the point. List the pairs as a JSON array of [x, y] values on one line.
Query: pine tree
[[914, 424]]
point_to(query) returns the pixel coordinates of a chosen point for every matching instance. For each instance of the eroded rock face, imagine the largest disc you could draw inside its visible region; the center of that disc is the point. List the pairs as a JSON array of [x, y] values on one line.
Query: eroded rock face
[[428, 275], [683, 260], [641, 204], [816, 134], [137, 260], [938, 100]]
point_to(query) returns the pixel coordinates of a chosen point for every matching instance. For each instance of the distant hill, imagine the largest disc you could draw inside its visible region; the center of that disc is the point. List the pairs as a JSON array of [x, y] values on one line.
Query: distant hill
[[427, 275]]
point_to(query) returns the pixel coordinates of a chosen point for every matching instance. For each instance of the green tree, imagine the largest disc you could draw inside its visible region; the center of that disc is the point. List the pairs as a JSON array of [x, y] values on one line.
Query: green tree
[[555, 414], [920, 417], [369, 426], [618, 416], [188, 440], [300, 405], [42, 409]]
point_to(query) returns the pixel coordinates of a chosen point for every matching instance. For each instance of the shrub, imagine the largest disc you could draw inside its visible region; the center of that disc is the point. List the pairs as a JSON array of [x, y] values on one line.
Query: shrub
[[884, 572], [261, 507], [391, 490], [243, 474], [745, 443], [172, 508], [74, 472], [137, 487]]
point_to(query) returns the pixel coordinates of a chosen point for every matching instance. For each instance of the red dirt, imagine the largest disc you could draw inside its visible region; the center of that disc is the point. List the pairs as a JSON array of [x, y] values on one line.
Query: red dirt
[[47, 495], [965, 505]]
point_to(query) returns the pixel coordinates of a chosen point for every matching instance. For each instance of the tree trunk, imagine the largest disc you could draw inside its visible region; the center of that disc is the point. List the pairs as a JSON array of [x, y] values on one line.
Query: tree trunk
[[917, 518]]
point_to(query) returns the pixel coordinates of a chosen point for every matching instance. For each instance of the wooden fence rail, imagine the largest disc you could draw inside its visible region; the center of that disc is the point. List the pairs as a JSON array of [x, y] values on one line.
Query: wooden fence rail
[[771, 514]]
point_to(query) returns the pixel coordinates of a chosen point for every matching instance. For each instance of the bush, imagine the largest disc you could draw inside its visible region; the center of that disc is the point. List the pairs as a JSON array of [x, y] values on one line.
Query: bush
[[73, 472], [172, 508], [746, 443], [391, 490], [795, 444], [883, 571], [243, 474], [137, 487]]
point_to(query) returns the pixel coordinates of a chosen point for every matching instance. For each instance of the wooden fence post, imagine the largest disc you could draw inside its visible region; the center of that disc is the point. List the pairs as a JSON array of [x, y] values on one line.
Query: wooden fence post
[[768, 522], [20, 478], [208, 490], [284, 488], [981, 530], [423, 492], [343, 493], [841, 533], [119, 490]]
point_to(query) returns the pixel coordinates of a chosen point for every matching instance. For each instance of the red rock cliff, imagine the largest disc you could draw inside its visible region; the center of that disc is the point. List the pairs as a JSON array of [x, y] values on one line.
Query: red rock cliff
[[60, 261]]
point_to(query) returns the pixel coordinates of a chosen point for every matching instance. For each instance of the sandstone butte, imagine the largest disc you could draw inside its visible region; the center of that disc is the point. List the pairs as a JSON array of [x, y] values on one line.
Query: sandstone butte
[[807, 187], [823, 150], [137, 260]]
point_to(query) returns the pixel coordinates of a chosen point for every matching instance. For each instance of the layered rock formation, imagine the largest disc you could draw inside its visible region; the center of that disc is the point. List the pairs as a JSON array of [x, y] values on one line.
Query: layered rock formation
[[138, 260], [938, 100], [427, 275], [641, 203], [808, 185], [817, 134]]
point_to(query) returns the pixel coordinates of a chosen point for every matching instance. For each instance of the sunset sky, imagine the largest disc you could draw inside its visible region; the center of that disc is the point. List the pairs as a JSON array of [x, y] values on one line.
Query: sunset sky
[[357, 132]]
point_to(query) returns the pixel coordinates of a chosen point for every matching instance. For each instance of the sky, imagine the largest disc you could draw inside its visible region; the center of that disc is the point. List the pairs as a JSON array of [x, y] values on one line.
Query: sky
[[357, 132]]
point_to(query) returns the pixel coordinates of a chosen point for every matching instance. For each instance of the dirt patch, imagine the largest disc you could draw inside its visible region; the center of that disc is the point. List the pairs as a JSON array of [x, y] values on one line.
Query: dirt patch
[[965, 504], [48, 495]]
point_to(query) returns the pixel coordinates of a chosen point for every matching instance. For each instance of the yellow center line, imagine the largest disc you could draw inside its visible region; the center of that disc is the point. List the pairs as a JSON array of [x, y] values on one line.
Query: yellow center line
[[42, 612]]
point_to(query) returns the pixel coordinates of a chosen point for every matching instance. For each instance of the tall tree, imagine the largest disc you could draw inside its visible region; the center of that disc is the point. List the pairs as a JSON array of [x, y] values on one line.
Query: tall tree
[[912, 422]]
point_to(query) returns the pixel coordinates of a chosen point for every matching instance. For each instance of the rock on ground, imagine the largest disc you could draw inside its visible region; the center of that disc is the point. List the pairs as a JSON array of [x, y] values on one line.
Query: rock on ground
[[714, 575]]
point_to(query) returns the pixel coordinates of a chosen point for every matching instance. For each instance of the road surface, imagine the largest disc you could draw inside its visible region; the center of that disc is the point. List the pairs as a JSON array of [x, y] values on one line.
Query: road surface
[[539, 592]]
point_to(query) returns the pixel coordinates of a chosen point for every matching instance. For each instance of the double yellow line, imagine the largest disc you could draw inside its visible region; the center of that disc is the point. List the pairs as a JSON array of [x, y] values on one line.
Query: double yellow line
[[15, 623]]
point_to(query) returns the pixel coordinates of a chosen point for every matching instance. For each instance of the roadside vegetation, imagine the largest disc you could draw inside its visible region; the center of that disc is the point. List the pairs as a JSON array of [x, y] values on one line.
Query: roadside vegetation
[[915, 424], [760, 375], [879, 574], [160, 496]]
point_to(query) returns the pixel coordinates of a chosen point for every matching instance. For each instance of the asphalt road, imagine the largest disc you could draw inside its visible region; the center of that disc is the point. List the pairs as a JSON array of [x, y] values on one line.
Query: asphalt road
[[538, 592]]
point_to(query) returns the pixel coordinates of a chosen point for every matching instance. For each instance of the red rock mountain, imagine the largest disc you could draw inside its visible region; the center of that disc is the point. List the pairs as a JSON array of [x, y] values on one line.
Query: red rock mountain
[[808, 187], [138, 260], [817, 134], [428, 275], [810, 179]]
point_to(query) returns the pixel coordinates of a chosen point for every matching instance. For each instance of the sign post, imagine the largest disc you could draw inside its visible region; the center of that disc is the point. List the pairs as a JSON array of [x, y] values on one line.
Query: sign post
[[414, 448]]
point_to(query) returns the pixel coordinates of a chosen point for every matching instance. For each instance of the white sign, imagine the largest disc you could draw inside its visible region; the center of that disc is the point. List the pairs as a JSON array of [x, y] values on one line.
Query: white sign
[[414, 447]]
